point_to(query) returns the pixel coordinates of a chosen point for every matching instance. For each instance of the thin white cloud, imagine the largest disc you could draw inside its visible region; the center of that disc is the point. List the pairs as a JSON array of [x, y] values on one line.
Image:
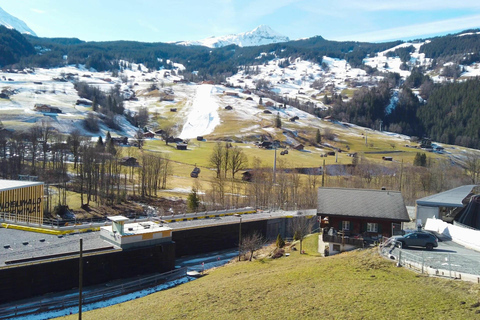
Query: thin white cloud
[[346, 8], [416, 30], [412, 5], [37, 10]]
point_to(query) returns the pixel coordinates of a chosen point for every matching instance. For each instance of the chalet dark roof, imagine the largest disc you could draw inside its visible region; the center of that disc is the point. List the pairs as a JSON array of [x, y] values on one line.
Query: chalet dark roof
[[361, 203]]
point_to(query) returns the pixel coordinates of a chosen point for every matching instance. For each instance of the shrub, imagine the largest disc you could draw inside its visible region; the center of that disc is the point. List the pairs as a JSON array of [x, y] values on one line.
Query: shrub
[[278, 254]]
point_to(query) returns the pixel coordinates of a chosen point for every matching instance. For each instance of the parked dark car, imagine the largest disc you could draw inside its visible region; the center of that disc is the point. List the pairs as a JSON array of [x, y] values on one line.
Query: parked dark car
[[418, 239]]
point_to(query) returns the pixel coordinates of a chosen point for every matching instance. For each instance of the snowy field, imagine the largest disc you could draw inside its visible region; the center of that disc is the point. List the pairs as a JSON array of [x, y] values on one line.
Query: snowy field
[[200, 109]]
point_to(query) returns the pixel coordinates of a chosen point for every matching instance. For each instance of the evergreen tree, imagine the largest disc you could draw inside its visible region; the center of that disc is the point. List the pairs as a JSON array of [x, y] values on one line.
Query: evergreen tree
[[260, 101], [111, 147], [193, 201], [280, 242], [94, 104], [278, 121], [420, 160], [318, 137], [100, 143], [297, 236]]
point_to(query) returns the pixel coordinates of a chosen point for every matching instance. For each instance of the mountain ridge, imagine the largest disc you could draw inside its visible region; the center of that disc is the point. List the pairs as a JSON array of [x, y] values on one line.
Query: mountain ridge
[[261, 35], [12, 22]]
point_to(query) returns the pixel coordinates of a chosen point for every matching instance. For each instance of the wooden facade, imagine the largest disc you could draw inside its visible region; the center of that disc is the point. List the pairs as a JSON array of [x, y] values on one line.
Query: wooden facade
[[359, 226], [23, 203]]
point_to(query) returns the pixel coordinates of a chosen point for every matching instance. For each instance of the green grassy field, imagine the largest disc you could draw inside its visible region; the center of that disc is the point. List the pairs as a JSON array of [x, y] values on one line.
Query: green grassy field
[[355, 285]]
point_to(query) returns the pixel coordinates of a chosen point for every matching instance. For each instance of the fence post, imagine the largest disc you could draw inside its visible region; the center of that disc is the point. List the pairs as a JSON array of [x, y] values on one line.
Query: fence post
[[423, 260], [399, 263], [449, 265]]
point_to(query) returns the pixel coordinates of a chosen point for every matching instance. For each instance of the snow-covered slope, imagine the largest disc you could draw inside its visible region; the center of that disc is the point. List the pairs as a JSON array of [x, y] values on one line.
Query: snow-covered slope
[[12, 22], [259, 36]]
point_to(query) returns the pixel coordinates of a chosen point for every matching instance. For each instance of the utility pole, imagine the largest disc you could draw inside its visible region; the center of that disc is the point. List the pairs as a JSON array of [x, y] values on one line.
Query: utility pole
[[80, 280], [401, 176], [239, 235], [275, 163], [323, 173]]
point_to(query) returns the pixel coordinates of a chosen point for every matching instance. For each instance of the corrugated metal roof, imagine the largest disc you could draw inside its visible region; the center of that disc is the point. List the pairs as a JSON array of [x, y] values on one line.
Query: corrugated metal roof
[[377, 204], [14, 184], [449, 198]]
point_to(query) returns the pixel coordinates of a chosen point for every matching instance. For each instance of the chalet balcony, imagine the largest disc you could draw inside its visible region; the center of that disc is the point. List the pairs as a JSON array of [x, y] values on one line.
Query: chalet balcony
[[354, 241]]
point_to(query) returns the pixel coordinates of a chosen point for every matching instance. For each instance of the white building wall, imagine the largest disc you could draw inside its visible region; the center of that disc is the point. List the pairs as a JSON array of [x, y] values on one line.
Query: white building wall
[[469, 238], [424, 213]]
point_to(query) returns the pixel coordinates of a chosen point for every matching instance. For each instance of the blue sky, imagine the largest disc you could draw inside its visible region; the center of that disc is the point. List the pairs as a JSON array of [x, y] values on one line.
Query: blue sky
[[175, 20]]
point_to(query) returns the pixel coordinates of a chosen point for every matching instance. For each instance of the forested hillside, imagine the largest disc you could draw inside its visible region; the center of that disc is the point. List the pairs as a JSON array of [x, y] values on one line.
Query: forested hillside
[[13, 46], [452, 114], [441, 47]]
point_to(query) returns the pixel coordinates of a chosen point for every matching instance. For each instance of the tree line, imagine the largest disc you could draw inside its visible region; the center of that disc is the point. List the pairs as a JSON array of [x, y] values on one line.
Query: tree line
[[94, 170]]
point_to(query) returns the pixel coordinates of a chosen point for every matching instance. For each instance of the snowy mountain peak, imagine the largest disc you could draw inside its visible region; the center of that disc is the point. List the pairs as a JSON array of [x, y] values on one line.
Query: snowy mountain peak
[[12, 22], [259, 36]]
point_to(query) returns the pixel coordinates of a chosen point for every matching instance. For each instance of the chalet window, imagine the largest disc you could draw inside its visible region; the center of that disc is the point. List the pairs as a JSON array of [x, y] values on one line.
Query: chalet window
[[372, 227], [346, 225]]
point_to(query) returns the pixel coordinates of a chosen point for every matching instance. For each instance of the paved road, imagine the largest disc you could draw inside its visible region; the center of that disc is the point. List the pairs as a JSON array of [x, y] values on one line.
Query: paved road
[[461, 259]]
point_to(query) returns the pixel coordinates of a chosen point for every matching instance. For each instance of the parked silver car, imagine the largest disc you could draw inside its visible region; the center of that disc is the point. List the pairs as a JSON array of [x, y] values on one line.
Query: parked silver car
[[417, 239]]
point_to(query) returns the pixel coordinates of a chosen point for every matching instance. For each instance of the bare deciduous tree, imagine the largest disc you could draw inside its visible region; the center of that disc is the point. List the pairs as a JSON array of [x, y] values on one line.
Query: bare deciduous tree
[[238, 160], [34, 134], [166, 133], [216, 158], [142, 117], [251, 243], [301, 226], [472, 166], [139, 138]]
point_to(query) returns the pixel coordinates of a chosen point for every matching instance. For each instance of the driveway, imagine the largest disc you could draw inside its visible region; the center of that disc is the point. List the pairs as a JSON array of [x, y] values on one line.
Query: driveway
[[448, 256]]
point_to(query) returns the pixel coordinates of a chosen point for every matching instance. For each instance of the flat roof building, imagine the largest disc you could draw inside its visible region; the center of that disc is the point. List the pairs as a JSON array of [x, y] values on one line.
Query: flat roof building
[[135, 234], [21, 201], [444, 205]]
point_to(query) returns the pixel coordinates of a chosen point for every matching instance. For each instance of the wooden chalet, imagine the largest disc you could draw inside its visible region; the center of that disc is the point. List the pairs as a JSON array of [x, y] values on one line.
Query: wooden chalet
[[228, 108], [148, 134], [129, 162], [298, 146], [120, 141], [353, 218], [46, 108], [293, 119], [181, 146], [265, 145]]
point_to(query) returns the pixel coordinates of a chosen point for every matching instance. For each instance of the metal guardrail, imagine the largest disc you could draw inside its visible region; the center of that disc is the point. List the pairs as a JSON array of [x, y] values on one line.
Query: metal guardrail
[[88, 297]]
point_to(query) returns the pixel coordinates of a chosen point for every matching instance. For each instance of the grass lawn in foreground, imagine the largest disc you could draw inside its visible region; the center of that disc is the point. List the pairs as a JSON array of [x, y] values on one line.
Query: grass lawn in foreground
[[355, 285]]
